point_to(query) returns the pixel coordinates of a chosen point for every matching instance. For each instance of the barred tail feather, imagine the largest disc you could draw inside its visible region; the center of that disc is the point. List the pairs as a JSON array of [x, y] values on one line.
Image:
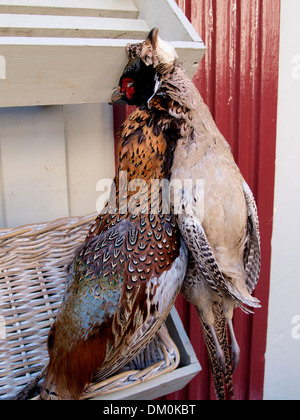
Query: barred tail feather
[[222, 382], [242, 299], [48, 393]]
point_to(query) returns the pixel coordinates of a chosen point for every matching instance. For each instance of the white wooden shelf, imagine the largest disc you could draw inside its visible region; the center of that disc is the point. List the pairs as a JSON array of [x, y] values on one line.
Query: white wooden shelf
[[73, 51], [71, 26], [94, 8]]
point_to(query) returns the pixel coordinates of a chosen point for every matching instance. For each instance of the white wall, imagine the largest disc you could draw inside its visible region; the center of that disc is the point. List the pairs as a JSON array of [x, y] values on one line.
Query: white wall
[[51, 159], [282, 373]]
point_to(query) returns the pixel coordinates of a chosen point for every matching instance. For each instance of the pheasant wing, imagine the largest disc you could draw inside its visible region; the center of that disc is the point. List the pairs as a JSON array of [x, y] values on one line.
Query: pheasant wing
[[195, 238], [252, 254]]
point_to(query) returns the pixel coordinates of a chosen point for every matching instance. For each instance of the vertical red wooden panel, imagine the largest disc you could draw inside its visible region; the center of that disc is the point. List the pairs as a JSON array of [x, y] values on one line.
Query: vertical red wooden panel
[[238, 79], [266, 153]]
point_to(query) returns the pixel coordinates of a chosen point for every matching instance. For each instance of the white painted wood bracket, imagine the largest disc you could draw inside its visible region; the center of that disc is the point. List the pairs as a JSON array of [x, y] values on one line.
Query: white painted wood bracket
[[73, 51]]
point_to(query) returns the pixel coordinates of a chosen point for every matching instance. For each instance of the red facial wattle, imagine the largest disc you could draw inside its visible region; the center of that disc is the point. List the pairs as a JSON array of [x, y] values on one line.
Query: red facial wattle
[[128, 88]]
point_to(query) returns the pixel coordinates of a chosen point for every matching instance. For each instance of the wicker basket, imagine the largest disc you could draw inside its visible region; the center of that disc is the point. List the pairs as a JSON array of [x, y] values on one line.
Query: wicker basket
[[33, 269]]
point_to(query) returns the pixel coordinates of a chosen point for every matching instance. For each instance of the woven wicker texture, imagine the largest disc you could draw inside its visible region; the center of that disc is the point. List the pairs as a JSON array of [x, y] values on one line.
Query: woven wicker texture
[[33, 268]]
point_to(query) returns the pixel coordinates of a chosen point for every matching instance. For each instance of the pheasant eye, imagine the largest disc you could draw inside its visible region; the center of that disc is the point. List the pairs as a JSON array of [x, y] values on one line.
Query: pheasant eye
[[127, 83], [128, 87]]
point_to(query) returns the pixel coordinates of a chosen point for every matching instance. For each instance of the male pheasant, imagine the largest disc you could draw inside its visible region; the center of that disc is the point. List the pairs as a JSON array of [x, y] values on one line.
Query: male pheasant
[[126, 276], [224, 240]]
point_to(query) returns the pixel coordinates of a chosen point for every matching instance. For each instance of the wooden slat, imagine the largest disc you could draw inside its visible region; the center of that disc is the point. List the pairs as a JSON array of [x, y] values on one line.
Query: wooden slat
[[90, 160], [69, 71], [2, 67], [96, 8], [71, 26], [33, 165], [61, 74], [23, 129]]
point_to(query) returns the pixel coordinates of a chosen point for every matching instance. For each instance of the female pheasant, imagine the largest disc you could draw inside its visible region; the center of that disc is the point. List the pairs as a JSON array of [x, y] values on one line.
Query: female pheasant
[[125, 278], [224, 240]]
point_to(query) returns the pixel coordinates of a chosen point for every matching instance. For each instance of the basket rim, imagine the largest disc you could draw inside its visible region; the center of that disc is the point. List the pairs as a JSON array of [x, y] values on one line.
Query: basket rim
[[34, 229]]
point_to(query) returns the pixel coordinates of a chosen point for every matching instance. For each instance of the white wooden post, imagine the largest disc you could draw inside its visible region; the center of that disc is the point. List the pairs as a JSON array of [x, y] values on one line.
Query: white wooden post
[[2, 67]]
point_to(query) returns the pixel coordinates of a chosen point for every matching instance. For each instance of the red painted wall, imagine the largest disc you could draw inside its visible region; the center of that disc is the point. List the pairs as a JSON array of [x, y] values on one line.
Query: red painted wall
[[238, 79]]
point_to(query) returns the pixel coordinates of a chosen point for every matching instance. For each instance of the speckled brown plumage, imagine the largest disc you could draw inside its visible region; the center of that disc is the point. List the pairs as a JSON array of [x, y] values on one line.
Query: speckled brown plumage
[[126, 276]]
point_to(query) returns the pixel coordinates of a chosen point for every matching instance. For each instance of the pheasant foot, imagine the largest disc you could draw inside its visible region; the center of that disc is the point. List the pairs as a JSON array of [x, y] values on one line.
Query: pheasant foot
[[235, 349]]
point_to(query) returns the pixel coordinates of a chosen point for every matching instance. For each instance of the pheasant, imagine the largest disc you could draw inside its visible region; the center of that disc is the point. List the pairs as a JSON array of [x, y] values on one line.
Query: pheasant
[[224, 240], [126, 276]]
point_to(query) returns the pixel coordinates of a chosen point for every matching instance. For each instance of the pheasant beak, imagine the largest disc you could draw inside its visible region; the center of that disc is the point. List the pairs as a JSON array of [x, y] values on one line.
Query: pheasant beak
[[118, 97]]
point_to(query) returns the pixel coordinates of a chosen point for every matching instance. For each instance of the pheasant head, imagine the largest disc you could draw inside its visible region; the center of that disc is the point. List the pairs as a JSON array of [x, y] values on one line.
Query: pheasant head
[[155, 52], [148, 61]]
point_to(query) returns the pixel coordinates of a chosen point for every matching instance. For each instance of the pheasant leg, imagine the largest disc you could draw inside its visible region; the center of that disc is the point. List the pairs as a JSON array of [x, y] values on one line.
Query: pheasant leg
[[219, 352], [235, 349]]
